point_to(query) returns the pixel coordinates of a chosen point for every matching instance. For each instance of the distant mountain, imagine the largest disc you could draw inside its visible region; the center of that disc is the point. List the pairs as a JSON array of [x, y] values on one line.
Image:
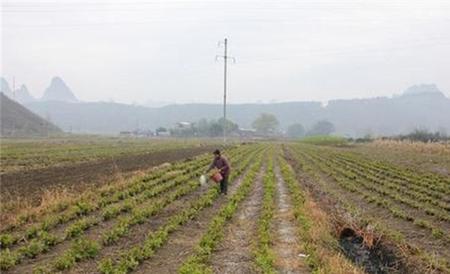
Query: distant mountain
[[423, 89], [16, 120], [58, 91], [422, 106], [4, 87], [22, 95]]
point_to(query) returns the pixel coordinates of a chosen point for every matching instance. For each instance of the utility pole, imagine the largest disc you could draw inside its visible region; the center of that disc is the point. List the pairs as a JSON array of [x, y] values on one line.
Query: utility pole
[[225, 57], [14, 88], [225, 61]]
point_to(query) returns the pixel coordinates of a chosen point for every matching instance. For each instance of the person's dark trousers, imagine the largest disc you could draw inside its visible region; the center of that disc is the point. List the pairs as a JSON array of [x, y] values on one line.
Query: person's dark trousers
[[224, 185]]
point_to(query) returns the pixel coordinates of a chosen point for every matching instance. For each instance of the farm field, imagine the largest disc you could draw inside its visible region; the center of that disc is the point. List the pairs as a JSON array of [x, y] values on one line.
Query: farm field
[[291, 208], [433, 157], [29, 154], [32, 165]]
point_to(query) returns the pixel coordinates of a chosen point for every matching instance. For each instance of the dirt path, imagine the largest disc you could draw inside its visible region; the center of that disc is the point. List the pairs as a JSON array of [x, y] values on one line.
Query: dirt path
[[286, 247], [181, 243], [234, 254]]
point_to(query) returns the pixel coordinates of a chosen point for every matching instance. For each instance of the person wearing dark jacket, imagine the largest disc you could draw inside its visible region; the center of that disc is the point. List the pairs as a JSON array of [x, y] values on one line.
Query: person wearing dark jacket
[[221, 163]]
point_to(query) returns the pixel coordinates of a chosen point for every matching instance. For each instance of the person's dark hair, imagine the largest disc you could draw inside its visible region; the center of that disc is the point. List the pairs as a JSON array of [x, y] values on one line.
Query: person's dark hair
[[216, 152]]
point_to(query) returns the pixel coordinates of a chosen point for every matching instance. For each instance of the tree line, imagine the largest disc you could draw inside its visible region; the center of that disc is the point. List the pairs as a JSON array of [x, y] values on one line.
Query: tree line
[[265, 125]]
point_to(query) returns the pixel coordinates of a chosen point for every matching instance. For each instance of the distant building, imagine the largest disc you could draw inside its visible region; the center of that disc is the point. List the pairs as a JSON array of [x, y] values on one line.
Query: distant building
[[137, 133], [184, 124], [247, 133]]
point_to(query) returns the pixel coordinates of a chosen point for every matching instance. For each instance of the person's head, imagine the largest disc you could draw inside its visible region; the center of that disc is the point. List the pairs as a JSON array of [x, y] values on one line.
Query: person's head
[[216, 153]]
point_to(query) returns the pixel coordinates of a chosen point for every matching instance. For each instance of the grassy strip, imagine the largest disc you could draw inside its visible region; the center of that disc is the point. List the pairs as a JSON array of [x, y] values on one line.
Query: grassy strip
[[197, 263], [314, 230], [133, 257], [264, 256]]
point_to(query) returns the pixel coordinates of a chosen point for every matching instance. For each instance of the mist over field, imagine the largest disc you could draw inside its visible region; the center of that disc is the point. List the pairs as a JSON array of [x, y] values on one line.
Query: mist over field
[[369, 67]]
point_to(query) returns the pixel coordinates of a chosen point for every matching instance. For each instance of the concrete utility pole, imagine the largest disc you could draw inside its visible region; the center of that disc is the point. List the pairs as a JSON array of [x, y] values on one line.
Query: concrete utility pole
[[225, 59]]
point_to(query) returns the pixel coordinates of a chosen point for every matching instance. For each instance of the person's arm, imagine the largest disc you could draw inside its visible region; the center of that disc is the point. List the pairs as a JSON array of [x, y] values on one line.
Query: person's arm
[[226, 166]]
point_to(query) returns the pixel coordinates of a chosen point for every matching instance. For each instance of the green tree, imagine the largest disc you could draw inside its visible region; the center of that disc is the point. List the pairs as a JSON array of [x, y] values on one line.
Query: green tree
[[295, 131], [266, 124], [321, 128]]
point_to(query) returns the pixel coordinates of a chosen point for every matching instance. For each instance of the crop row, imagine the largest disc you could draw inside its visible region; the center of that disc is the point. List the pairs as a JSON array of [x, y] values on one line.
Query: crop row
[[198, 262], [134, 192], [147, 189], [364, 189], [138, 214], [428, 182], [431, 261], [380, 187], [313, 230], [385, 187], [417, 193], [67, 210], [69, 258], [437, 189], [134, 256], [263, 252], [98, 195]]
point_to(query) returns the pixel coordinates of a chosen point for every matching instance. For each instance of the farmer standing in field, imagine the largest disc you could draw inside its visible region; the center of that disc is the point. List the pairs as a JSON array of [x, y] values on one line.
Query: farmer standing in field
[[221, 163]]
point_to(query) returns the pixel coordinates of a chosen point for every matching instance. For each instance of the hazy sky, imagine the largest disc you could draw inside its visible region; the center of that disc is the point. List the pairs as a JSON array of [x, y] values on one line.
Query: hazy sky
[[164, 50]]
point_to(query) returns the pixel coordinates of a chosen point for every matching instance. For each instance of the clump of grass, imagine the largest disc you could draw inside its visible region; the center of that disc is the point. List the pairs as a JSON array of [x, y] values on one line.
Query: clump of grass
[[325, 140], [80, 249], [8, 259], [6, 240]]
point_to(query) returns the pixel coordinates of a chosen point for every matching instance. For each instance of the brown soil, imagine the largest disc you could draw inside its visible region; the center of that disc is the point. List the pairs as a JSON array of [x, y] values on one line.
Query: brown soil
[[286, 245], [34, 182], [181, 243], [234, 254]]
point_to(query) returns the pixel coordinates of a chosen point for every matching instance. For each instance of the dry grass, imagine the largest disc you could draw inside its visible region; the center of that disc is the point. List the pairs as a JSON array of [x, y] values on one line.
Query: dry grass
[[420, 147], [322, 237], [13, 210]]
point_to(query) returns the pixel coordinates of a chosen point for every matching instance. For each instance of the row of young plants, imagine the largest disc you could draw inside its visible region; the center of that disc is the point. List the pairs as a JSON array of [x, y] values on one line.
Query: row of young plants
[[371, 194], [429, 262], [428, 181], [138, 190], [262, 250], [87, 205], [384, 187], [130, 259], [44, 240], [369, 189], [437, 189], [138, 214], [198, 262], [314, 234], [404, 178], [102, 194], [37, 236], [435, 200], [122, 228]]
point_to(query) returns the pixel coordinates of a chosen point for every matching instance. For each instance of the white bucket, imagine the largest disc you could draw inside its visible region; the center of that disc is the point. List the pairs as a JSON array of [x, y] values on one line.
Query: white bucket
[[203, 180]]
